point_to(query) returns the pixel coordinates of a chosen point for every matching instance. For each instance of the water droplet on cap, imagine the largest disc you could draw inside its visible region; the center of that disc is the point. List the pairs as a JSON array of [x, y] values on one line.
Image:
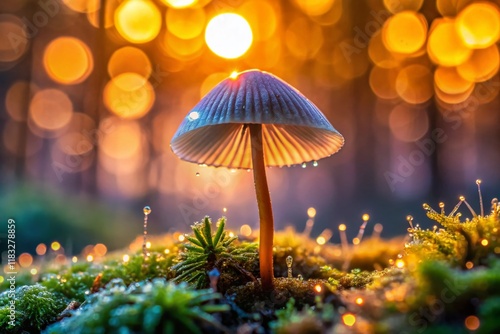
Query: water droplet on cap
[[304, 165], [197, 174], [315, 163]]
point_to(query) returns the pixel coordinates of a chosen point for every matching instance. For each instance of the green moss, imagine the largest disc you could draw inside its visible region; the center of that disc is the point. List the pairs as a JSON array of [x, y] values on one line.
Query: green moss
[[139, 268], [251, 298], [35, 307], [308, 320], [145, 307]]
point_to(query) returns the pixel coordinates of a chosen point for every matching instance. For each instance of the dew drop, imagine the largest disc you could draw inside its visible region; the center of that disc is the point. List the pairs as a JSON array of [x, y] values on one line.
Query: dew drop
[[304, 165], [146, 210], [315, 163], [461, 198], [248, 170], [197, 174], [289, 261], [426, 207], [478, 181]]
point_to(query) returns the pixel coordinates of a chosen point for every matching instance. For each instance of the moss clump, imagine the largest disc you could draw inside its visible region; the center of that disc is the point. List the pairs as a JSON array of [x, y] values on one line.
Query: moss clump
[[205, 251], [315, 320], [251, 297], [35, 307], [144, 307], [464, 244]]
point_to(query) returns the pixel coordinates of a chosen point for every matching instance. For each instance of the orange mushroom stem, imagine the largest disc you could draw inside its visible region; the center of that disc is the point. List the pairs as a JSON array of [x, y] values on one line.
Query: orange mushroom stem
[[265, 208]]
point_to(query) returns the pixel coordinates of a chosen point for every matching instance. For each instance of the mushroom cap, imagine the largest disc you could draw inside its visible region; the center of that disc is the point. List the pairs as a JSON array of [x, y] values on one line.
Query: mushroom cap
[[294, 130]]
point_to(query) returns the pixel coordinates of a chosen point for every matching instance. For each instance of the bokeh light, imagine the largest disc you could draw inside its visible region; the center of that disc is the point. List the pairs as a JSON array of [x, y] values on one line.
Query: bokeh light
[[129, 95], [16, 100], [299, 30], [396, 6], [479, 25], [383, 82], [129, 59], [261, 16], [186, 23], [414, 84], [407, 123], [13, 39], [472, 323], [179, 3], [83, 6], [228, 35], [123, 142], [449, 81], [51, 109], [41, 249], [481, 65], [315, 7], [405, 32], [138, 21], [445, 47], [68, 60], [25, 260]]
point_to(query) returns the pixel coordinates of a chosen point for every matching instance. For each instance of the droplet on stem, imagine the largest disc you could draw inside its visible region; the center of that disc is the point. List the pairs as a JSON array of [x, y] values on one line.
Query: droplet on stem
[[146, 210], [289, 261]]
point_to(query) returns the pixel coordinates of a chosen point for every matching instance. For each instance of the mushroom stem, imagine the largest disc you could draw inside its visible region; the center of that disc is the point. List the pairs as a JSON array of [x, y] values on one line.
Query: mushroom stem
[[265, 209]]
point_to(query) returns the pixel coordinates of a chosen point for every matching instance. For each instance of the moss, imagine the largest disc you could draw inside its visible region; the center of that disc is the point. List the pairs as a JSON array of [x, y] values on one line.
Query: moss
[[308, 320], [35, 307], [139, 268], [251, 298], [145, 307]]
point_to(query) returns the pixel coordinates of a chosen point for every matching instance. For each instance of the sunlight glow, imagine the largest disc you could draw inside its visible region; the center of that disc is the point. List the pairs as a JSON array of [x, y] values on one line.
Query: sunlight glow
[[138, 21], [68, 60], [228, 35]]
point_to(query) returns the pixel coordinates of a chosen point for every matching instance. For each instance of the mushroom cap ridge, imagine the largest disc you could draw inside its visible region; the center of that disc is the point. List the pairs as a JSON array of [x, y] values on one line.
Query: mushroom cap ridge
[[293, 129]]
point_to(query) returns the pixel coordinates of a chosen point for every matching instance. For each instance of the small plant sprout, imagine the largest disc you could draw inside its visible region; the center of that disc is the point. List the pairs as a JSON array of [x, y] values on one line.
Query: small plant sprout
[[478, 182], [147, 211], [253, 120], [289, 262], [205, 250]]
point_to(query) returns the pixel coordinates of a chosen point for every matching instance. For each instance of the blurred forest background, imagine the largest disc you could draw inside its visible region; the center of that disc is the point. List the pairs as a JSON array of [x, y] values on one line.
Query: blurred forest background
[[92, 91]]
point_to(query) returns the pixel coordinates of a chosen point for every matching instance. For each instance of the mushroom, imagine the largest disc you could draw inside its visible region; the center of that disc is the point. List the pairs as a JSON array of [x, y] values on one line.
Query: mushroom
[[253, 119]]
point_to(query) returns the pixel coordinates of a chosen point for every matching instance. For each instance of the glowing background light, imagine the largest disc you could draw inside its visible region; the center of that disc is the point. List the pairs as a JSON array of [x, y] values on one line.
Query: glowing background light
[[51, 109], [129, 95], [13, 39], [445, 47], [129, 59], [481, 65], [83, 6], [228, 35], [179, 3], [186, 23], [405, 32], [396, 6], [479, 25], [449, 81], [68, 60], [138, 21]]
